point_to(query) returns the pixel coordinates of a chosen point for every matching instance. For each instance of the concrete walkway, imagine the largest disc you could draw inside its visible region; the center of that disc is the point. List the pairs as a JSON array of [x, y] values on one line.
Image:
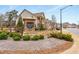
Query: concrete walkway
[[75, 47]]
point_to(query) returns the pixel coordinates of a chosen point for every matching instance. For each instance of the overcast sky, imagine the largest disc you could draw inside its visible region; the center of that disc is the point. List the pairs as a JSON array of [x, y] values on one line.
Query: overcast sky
[[70, 14]]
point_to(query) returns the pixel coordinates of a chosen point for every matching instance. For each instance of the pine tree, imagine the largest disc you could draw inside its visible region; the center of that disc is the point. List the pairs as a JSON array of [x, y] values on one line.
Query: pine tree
[[20, 26]]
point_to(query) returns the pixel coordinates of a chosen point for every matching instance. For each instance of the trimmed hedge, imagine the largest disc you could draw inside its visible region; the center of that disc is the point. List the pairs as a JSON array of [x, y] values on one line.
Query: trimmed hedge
[[35, 38], [16, 38], [3, 36], [14, 34], [26, 37], [41, 37]]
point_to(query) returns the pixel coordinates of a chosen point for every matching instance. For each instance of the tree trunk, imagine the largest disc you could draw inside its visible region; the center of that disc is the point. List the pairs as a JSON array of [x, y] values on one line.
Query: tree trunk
[[22, 31], [22, 34], [10, 28], [1, 27]]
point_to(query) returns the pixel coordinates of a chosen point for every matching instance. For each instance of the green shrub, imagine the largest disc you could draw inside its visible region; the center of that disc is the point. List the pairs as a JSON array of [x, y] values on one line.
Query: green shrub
[[26, 37], [3, 36], [67, 37], [0, 32], [4, 32], [16, 38], [58, 35], [35, 37], [13, 34], [41, 37]]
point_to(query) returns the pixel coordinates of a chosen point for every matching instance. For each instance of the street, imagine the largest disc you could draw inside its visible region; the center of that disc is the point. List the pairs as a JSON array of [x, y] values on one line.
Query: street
[[73, 30]]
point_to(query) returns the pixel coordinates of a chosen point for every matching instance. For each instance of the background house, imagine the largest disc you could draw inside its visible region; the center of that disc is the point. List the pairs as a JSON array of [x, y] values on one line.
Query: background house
[[68, 25], [49, 24], [31, 20]]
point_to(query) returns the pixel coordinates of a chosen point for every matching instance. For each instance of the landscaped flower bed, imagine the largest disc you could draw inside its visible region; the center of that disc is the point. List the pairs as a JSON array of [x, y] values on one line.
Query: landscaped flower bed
[[17, 37]]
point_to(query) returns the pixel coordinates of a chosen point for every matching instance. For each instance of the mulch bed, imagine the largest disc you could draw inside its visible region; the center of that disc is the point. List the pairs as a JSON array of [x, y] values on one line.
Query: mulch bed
[[56, 50]]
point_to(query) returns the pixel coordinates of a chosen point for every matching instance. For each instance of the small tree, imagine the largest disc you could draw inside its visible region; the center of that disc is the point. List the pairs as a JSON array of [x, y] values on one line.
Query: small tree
[[10, 17], [20, 26], [12, 14], [41, 27]]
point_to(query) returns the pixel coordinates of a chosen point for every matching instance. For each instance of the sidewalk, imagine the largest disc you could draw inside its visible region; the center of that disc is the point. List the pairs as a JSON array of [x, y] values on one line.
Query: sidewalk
[[75, 47]]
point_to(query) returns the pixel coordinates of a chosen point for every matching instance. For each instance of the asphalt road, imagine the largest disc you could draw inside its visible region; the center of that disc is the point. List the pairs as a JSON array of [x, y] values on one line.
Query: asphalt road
[[73, 30]]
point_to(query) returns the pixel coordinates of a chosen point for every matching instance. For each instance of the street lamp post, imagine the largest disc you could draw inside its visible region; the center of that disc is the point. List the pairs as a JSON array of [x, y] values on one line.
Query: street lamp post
[[61, 25], [61, 21]]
